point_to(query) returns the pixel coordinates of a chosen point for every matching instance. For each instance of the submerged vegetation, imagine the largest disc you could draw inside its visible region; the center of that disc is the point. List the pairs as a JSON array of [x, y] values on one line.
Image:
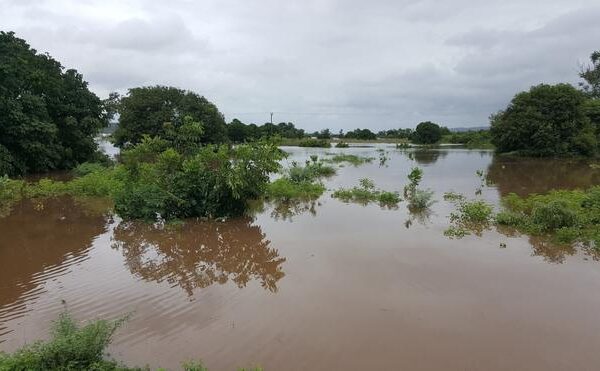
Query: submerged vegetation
[[366, 192], [301, 182], [74, 347], [351, 159], [418, 199]]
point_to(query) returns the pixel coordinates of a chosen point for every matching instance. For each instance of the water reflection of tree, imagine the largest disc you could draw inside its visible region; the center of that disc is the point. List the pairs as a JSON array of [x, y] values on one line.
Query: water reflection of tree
[[287, 210], [543, 246], [425, 156], [39, 236], [524, 176], [198, 254]]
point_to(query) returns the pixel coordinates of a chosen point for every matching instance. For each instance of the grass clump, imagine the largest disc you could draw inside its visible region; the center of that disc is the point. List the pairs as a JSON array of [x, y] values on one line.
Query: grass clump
[[352, 159], [342, 144], [365, 193]]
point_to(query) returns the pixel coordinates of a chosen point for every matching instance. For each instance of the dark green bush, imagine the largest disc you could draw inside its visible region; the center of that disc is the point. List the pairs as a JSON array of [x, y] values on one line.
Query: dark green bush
[[553, 215], [309, 142]]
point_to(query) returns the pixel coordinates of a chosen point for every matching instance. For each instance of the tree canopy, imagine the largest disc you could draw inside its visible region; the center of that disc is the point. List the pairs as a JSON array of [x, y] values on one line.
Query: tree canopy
[[48, 117], [364, 134], [427, 133], [149, 110], [547, 120]]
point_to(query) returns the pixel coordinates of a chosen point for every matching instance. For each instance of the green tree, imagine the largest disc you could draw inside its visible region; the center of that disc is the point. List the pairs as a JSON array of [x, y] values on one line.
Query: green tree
[[237, 132], [146, 111], [591, 76], [547, 120], [427, 133], [48, 117]]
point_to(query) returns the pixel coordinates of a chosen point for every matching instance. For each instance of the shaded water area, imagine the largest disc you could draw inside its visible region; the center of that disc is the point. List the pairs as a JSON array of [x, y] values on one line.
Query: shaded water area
[[322, 285]]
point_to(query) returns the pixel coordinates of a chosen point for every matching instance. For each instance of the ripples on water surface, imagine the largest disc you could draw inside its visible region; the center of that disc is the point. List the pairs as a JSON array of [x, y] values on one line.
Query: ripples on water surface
[[322, 285]]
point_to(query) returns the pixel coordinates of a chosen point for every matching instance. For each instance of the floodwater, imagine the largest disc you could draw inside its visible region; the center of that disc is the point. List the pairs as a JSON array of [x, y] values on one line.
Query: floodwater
[[317, 286]]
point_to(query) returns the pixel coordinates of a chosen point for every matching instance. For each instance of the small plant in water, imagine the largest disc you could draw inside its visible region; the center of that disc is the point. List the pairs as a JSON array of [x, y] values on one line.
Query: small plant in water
[[366, 193]]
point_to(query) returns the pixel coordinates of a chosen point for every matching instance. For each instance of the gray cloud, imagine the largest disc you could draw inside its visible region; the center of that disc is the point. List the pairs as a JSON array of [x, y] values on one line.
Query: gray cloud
[[320, 63]]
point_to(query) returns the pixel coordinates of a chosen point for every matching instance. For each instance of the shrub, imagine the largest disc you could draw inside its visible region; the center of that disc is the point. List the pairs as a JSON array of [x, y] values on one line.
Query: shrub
[[553, 215], [87, 168], [420, 200], [475, 212], [286, 189], [427, 133], [366, 193], [70, 348], [341, 144]]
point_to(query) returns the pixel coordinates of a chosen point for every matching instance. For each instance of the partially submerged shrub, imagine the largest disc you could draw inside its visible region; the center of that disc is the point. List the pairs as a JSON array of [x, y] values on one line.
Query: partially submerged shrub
[[70, 347], [471, 216], [352, 159], [366, 193], [286, 189], [341, 144], [418, 199], [553, 215]]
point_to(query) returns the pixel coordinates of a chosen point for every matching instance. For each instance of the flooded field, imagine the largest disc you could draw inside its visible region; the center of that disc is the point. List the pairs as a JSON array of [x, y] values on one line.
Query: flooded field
[[320, 285]]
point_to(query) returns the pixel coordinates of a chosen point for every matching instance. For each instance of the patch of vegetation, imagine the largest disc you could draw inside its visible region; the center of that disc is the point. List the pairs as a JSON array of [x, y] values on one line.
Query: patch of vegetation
[[300, 182], [427, 133], [352, 159], [74, 347], [310, 142], [342, 144], [365, 193], [564, 216], [418, 199], [480, 139], [383, 158], [471, 216]]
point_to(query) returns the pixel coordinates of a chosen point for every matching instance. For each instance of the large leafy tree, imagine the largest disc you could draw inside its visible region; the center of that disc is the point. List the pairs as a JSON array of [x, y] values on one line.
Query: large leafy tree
[[427, 133], [48, 117], [547, 120], [150, 110]]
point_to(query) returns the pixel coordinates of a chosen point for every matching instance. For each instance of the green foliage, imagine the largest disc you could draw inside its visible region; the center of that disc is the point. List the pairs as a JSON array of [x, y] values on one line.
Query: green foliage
[[341, 144], [591, 76], [418, 199], [396, 133], [216, 181], [238, 132], [361, 134], [366, 193], [70, 348], [470, 139], [547, 120], [553, 215], [352, 159], [87, 168], [161, 111], [427, 133], [48, 116], [309, 142], [309, 172], [301, 182], [286, 189], [471, 216]]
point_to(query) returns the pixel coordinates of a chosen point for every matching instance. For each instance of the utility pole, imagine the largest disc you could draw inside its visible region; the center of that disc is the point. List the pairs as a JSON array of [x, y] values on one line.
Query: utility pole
[[271, 118]]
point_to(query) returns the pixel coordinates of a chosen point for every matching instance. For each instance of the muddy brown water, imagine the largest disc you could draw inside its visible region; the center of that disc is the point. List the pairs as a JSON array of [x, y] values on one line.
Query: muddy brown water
[[317, 286]]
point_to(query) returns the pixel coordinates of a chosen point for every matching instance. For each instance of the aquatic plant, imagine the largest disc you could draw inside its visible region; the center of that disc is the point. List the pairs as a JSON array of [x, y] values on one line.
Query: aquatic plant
[[365, 193], [352, 159], [418, 199], [286, 189], [342, 144], [383, 158], [471, 216]]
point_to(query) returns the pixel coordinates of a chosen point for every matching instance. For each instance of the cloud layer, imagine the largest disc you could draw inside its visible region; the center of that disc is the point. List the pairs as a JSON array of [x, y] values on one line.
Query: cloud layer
[[320, 63]]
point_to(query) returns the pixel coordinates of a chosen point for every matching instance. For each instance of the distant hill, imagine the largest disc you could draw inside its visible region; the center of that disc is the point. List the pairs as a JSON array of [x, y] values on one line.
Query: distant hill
[[474, 128]]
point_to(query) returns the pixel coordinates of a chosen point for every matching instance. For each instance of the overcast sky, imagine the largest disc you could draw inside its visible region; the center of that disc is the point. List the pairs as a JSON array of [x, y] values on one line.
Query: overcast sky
[[320, 63]]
